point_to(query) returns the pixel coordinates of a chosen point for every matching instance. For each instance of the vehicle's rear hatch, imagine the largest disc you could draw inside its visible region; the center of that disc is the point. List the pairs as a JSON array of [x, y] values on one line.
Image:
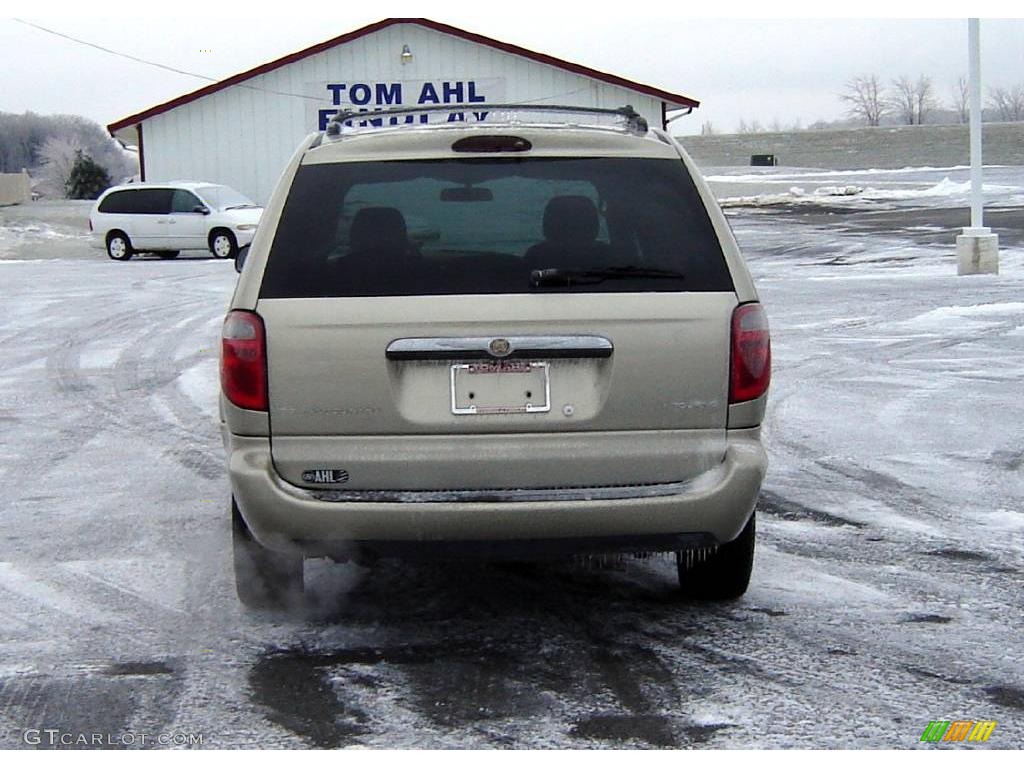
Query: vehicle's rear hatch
[[467, 324]]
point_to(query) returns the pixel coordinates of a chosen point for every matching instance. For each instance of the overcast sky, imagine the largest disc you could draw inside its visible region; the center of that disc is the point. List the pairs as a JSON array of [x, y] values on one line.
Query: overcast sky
[[784, 70]]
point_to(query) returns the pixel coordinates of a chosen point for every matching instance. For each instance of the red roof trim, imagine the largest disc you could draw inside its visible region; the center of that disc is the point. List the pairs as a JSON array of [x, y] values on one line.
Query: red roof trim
[[665, 96]]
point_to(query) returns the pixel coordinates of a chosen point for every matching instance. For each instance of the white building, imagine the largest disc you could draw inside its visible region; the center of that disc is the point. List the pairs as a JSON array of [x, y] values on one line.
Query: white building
[[241, 131]]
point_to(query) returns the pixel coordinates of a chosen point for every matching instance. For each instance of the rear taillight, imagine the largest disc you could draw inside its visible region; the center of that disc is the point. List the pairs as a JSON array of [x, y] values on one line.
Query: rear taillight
[[751, 358], [243, 360]]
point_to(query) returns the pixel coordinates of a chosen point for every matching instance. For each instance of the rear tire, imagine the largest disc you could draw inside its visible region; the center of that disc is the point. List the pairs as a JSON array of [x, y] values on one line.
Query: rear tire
[[264, 578], [722, 574], [119, 247]]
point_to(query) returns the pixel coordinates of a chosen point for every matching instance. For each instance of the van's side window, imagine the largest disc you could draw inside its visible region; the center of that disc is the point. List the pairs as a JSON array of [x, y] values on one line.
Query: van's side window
[[184, 201], [152, 200]]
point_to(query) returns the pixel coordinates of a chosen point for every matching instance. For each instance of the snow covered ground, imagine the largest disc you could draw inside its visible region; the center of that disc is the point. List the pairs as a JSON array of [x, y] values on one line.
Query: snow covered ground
[[887, 589], [870, 188]]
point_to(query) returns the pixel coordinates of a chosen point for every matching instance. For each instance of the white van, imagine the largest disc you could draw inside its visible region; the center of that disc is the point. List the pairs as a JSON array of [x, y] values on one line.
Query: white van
[[165, 218]]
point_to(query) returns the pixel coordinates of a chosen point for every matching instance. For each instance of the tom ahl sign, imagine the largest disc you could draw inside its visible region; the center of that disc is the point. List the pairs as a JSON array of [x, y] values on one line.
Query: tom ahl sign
[[367, 96]]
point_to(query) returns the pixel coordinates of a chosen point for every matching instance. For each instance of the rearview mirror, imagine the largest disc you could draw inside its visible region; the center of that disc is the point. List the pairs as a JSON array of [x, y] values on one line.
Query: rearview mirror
[[240, 257], [466, 195]]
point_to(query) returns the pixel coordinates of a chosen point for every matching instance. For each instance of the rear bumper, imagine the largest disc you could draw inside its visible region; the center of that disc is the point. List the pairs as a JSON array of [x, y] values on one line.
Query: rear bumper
[[708, 509]]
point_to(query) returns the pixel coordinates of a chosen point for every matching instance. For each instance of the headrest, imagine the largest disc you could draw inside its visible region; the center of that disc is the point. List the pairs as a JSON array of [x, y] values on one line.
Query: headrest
[[377, 228], [570, 219]]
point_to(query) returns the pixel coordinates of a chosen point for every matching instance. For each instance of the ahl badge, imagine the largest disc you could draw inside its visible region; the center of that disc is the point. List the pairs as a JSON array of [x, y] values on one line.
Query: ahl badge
[[325, 476]]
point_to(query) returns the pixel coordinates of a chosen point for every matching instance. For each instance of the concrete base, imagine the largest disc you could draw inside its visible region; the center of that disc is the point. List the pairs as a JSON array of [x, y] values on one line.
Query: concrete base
[[977, 252]]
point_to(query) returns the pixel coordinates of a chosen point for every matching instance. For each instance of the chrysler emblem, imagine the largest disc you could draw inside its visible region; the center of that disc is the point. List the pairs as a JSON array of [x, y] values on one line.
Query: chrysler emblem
[[500, 347]]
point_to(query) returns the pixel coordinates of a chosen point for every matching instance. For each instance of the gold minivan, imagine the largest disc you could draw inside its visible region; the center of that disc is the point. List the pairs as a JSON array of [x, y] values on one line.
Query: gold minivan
[[517, 339]]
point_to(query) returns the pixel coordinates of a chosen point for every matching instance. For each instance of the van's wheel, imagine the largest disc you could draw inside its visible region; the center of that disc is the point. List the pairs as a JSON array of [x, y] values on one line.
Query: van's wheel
[[223, 244], [718, 574], [119, 247], [264, 578], [168, 254]]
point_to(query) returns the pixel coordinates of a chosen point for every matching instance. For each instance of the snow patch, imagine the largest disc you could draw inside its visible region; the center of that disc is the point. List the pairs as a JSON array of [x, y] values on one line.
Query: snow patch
[[200, 385], [92, 357], [1003, 519], [943, 320], [161, 582], [944, 188], [746, 176], [790, 579], [42, 594]]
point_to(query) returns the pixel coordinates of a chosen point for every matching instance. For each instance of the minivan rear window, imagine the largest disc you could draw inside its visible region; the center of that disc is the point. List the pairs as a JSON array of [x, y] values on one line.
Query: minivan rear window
[[492, 225]]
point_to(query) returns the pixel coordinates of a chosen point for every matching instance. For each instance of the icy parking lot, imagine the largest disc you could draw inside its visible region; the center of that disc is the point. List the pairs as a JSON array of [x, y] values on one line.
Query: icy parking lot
[[887, 588]]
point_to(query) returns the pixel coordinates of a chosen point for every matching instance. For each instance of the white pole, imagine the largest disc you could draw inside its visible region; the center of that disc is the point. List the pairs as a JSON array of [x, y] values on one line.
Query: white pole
[[974, 69], [977, 249]]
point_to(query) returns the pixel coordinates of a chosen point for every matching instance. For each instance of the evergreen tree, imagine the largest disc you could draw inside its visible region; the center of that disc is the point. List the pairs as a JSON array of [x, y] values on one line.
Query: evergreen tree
[[87, 180]]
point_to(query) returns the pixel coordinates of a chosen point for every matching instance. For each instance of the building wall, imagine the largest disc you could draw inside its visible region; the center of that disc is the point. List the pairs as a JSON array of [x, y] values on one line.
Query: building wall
[[15, 188], [244, 135]]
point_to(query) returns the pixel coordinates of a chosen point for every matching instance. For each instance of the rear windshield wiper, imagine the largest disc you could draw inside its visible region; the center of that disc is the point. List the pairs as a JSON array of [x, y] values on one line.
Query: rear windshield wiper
[[570, 277]]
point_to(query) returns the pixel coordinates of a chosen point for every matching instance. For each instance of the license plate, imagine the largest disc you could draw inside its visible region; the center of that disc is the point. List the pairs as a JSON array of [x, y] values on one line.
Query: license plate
[[508, 386]]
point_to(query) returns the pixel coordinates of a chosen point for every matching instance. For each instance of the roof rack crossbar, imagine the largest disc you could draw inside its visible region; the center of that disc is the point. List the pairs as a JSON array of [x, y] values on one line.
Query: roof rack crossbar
[[634, 121]]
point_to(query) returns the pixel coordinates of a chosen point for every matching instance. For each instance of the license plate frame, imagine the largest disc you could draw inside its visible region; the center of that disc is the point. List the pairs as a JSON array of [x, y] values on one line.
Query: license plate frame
[[492, 382]]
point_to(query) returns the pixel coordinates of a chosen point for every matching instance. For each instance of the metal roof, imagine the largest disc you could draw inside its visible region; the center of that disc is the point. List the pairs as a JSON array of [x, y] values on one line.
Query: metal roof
[[670, 99]]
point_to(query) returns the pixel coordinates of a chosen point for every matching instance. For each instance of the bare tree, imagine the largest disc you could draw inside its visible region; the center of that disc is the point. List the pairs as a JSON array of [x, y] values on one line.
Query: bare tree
[[864, 96], [962, 99], [924, 98], [911, 100], [754, 126], [1008, 103], [707, 129], [901, 99]]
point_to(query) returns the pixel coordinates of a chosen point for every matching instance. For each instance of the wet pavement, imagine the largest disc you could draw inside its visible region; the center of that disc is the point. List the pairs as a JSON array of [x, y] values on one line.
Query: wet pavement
[[886, 592]]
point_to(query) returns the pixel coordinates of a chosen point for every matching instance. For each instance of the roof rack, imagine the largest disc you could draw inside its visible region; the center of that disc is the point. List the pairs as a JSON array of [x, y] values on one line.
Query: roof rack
[[632, 121]]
